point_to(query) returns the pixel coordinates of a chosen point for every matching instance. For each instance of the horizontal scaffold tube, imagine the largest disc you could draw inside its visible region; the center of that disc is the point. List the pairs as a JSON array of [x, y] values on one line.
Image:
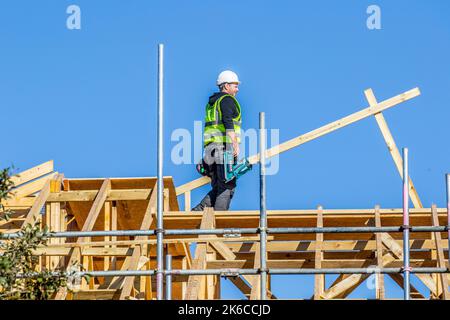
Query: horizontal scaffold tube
[[236, 272], [234, 231]]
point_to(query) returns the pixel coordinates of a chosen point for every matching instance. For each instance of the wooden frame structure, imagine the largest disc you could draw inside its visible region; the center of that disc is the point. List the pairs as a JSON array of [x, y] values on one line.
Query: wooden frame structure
[[130, 204]]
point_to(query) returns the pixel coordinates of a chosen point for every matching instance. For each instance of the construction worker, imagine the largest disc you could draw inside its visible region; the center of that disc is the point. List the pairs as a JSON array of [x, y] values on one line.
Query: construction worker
[[222, 132]]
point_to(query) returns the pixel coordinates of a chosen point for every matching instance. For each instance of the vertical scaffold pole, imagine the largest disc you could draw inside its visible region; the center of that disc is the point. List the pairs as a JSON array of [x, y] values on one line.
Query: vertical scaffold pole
[[448, 212], [159, 216], [406, 267], [169, 277], [263, 213]]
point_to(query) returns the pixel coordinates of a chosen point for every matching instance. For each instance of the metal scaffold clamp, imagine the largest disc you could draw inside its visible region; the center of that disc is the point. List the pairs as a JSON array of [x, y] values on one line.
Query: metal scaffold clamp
[[263, 229], [261, 270], [160, 231], [230, 273], [405, 227], [231, 233], [406, 269]]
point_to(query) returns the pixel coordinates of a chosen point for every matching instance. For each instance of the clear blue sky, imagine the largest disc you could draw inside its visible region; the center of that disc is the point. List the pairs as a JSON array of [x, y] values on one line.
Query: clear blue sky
[[87, 98]]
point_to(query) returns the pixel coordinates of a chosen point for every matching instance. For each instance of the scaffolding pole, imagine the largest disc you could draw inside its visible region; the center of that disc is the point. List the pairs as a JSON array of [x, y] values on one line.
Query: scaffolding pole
[[168, 277], [406, 227], [159, 216], [262, 205]]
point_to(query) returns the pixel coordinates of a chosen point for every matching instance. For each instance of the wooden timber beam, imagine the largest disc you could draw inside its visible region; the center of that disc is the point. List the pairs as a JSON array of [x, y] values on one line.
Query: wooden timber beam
[[398, 279], [33, 173], [330, 245], [89, 195], [255, 293], [137, 252], [392, 147], [351, 282], [312, 135], [347, 285], [319, 279], [39, 203], [393, 150], [380, 291], [31, 187], [343, 286], [226, 253], [96, 207], [115, 283], [92, 216], [397, 251], [196, 282], [440, 255], [309, 263]]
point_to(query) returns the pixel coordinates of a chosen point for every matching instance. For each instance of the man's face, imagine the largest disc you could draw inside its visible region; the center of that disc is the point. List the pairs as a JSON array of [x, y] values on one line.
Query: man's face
[[232, 88]]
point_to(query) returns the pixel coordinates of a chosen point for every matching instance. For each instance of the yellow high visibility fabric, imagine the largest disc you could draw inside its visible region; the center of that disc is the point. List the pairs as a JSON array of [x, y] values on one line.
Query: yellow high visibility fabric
[[214, 128]]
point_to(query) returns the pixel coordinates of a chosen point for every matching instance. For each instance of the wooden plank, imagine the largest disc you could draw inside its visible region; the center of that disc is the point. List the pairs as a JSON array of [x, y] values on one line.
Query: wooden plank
[[97, 252], [398, 278], [344, 287], [96, 207], [107, 227], [96, 294], [113, 227], [328, 246], [392, 147], [166, 200], [440, 254], [145, 225], [255, 294], [89, 195], [319, 279], [31, 187], [308, 263], [55, 226], [380, 291], [116, 283], [32, 173], [223, 250], [312, 135], [25, 203], [35, 210], [187, 201], [397, 251], [128, 281], [243, 286], [87, 226], [225, 264], [348, 284], [212, 281], [195, 281], [393, 150]]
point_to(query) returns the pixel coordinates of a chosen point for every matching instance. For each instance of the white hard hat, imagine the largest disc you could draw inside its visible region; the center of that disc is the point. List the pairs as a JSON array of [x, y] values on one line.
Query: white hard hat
[[227, 76]]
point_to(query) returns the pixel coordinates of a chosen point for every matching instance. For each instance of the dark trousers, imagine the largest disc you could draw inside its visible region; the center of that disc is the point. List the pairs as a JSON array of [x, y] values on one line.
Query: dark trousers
[[222, 192]]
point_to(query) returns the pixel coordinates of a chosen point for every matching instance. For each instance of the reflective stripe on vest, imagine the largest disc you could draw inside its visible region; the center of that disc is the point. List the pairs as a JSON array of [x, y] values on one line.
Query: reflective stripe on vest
[[214, 129]]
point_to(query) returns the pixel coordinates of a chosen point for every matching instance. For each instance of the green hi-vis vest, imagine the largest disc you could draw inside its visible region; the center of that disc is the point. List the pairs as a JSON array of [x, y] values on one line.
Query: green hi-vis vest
[[214, 128]]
